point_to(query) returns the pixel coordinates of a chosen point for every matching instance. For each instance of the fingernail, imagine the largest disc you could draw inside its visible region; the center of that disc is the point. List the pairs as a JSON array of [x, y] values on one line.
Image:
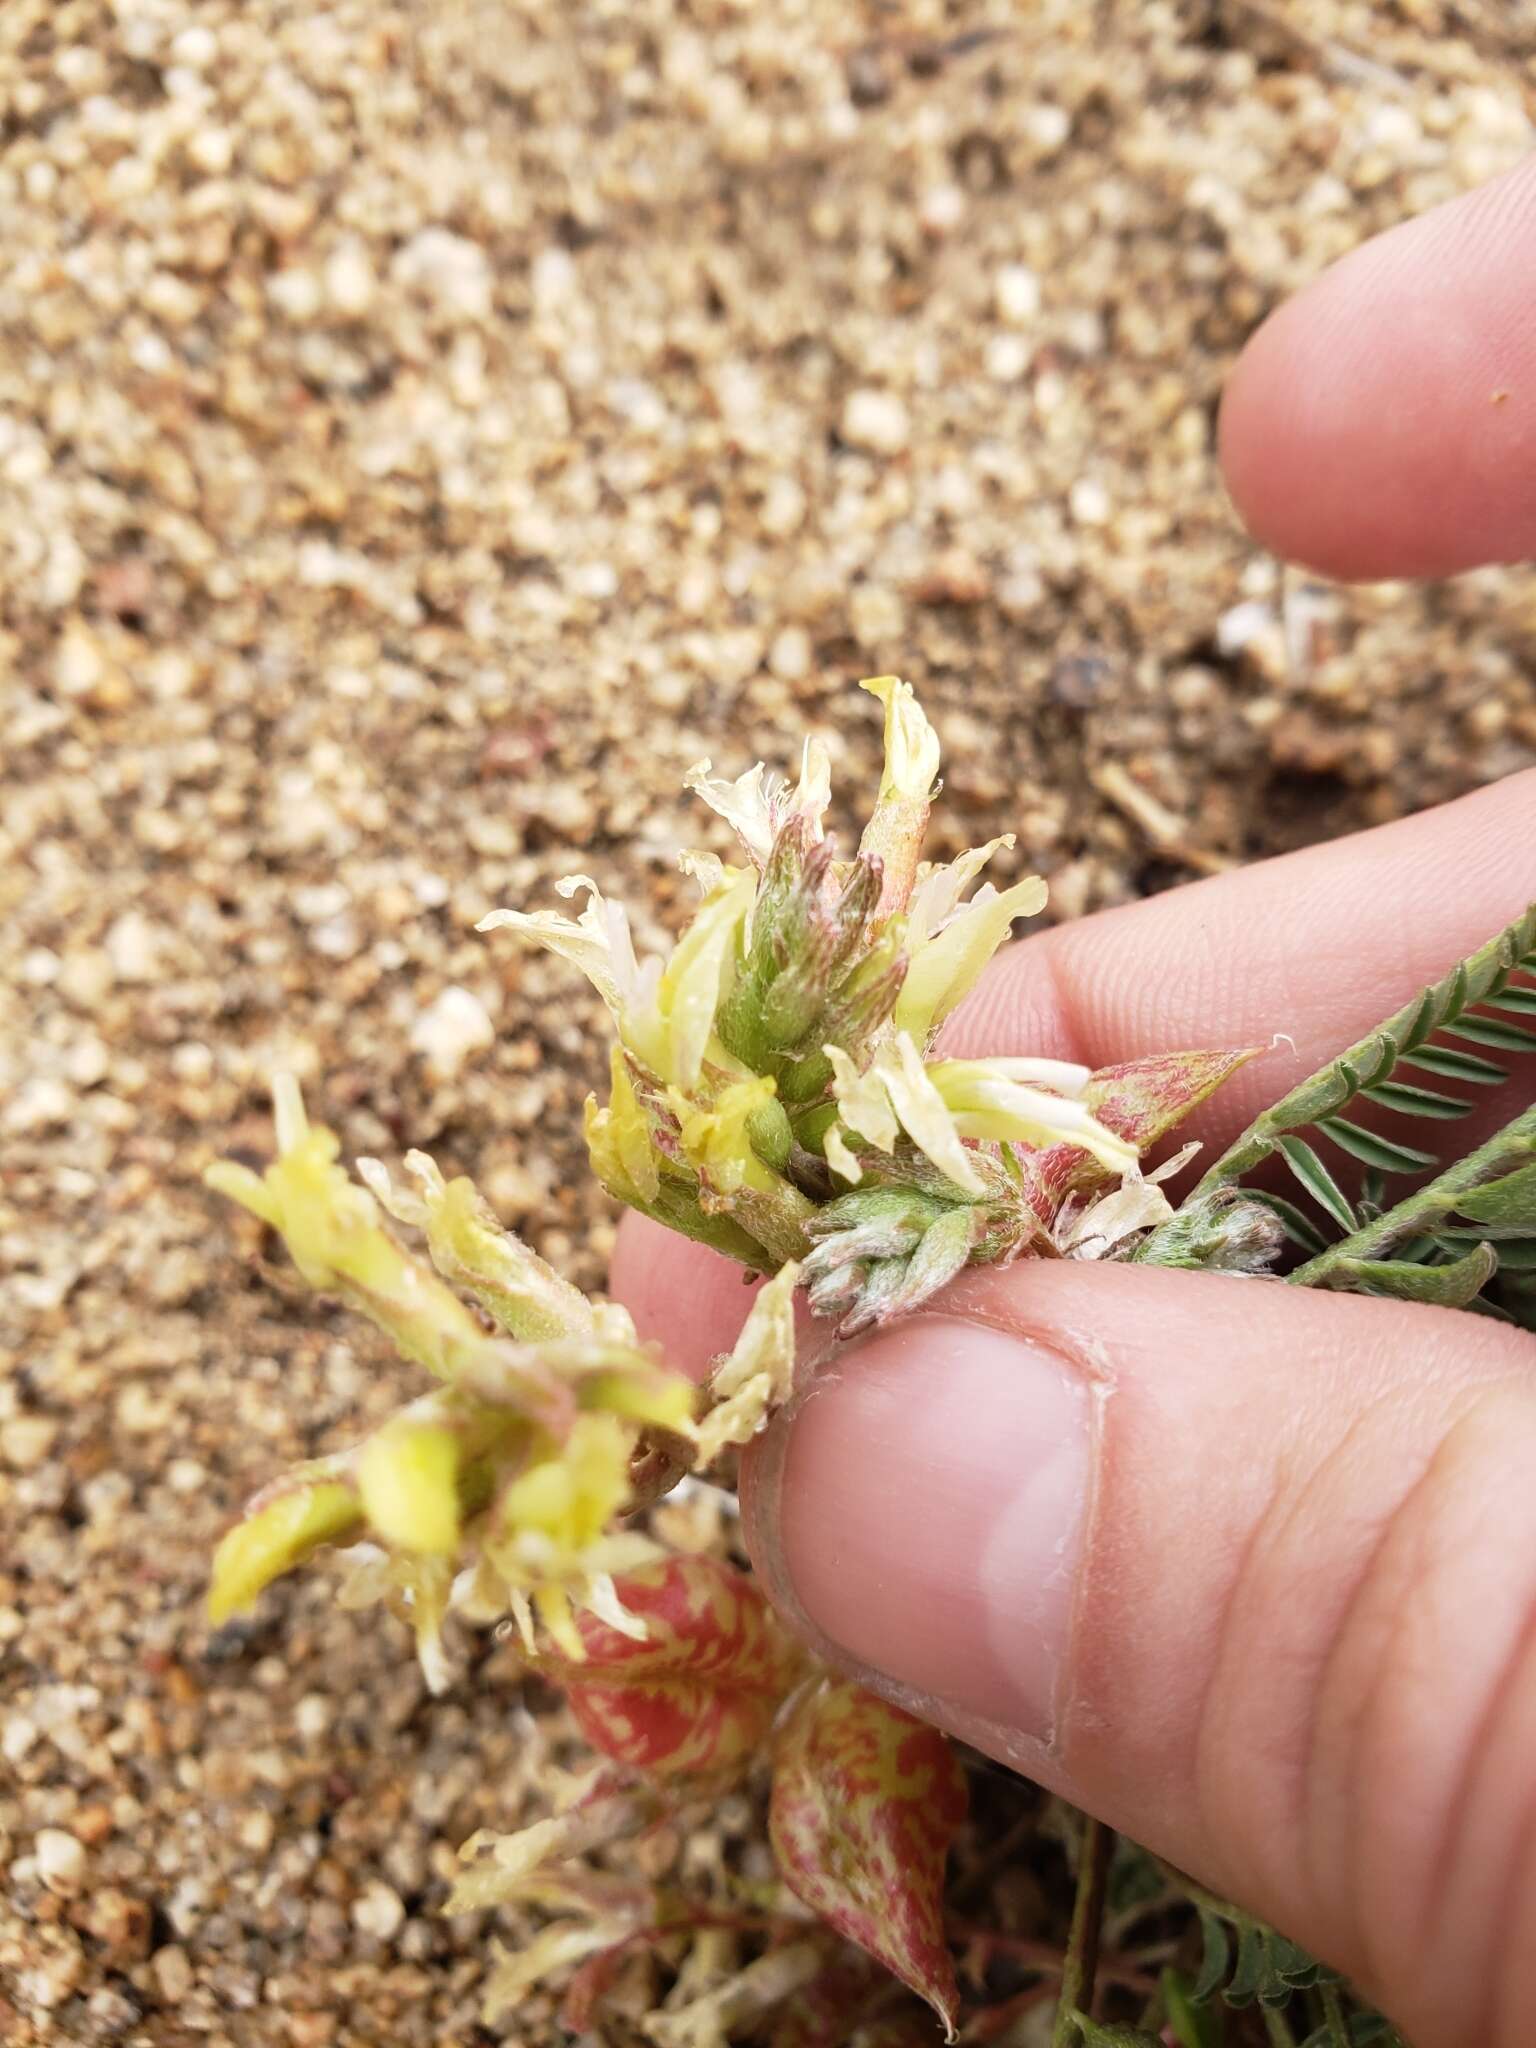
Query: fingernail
[[919, 1512]]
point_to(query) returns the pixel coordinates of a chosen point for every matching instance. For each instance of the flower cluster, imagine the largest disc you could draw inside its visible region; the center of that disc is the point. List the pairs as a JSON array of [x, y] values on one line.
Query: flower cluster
[[775, 1089], [500, 1492]]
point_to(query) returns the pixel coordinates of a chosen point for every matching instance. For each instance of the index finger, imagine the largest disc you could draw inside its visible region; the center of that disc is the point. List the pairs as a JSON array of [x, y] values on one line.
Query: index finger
[[1383, 422]]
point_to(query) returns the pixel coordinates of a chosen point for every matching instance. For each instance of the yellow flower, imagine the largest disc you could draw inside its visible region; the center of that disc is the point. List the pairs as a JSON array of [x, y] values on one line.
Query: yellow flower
[[332, 1229], [518, 1289], [664, 1014], [757, 1374], [894, 834], [894, 1094], [549, 1543], [1003, 1099], [1032, 1102], [945, 966]]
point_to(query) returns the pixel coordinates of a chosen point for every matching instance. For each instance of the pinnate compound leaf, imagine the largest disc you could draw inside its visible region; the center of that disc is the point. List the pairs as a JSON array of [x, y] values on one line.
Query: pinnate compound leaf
[[866, 1800], [698, 1692], [1450, 1286]]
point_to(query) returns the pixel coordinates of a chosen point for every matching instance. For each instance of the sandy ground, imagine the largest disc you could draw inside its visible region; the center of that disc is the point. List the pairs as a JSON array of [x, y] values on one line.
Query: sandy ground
[[424, 430]]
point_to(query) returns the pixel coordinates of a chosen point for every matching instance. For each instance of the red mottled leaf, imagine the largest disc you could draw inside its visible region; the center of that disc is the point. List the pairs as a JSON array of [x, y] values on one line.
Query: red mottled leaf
[[700, 1691], [866, 1800], [1143, 1099]]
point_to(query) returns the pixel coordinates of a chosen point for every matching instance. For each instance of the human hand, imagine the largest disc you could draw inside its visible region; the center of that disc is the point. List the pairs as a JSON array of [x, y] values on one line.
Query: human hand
[[1246, 1571]]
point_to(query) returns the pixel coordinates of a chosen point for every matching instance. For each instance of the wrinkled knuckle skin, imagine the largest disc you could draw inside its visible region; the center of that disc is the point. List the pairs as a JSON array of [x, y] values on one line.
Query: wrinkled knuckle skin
[[1417, 1781], [1363, 1762]]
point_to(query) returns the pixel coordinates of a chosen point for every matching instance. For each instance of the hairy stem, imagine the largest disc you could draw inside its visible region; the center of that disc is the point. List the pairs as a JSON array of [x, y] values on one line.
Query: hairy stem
[[1080, 1964], [1278, 2028], [1429, 1209], [1333, 2016]]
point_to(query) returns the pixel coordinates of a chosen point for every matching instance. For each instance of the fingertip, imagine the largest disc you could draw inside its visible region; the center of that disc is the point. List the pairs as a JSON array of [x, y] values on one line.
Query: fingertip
[[682, 1295], [1383, 422]]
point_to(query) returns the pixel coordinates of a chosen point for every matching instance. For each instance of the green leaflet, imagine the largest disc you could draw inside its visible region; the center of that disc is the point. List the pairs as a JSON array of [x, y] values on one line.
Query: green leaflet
[[1492, 1031], [1412, 1101], [1509, 1203], [1257, 1965], [1448, 1286], [1317, 1180], [1451, 1064], [1373, 1149]]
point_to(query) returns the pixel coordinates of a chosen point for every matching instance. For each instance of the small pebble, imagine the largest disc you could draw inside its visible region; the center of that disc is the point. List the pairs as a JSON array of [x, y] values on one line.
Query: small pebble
[[1016, 294], [452, 1027], [173, 1972], [61, 1861], [876, 421], [378, 1910]]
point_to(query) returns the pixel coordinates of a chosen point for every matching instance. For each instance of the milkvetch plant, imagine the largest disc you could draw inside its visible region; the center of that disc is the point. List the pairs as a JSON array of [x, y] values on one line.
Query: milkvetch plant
[[777, 1089]]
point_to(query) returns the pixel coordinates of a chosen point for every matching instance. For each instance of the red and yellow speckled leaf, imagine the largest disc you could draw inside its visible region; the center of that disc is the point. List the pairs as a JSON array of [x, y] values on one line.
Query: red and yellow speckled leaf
[[1143, 1099], [866, 1800], [700, 1690]]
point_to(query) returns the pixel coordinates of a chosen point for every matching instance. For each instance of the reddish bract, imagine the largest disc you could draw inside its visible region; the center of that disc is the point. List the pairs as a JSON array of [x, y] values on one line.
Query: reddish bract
[[1139, 1099], [699, 1692], [866, 1801], [1143, 1099]]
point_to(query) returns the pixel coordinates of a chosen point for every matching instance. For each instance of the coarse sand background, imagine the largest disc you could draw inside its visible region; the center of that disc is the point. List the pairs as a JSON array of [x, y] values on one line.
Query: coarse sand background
[[425, 430]]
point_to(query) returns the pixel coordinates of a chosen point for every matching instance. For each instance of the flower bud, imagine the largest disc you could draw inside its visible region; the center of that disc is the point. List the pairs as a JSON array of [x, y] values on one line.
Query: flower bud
[[312, 1506]]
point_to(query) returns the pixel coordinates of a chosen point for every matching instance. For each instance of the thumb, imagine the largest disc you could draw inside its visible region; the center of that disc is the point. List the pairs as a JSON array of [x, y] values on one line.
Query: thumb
[[1246, 1571]]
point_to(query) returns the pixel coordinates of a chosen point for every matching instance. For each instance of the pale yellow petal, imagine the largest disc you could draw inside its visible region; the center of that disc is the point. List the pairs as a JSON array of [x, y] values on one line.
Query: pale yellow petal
[[944, 969], [986, 1103], [937, 895], [863, 1101], [926, 1119], [744, 804], [911, 744]]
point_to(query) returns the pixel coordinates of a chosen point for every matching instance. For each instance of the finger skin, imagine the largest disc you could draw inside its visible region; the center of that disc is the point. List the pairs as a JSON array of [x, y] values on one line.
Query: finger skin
[[1319, 945], [1301, 1659], [1383, 422]]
